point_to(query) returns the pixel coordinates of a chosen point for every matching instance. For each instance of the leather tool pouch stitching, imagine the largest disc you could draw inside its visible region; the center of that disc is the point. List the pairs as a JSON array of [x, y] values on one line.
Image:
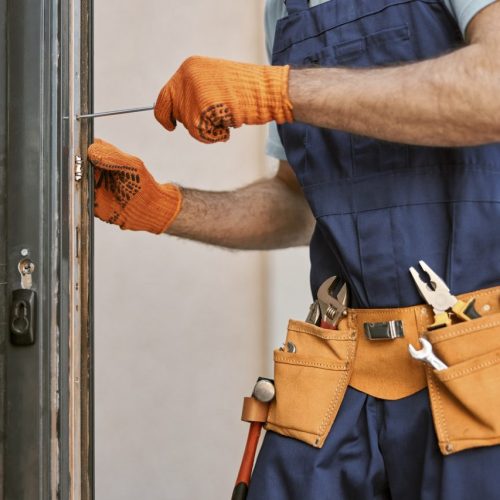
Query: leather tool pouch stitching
[[465, 397], [311, 382]]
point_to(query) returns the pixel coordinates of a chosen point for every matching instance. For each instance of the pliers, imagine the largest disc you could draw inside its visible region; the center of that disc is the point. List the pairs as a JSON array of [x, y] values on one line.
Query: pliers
[[438, 295]]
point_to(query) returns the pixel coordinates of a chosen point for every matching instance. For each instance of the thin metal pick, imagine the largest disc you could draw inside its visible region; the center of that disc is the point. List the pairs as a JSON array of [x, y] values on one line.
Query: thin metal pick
[[115, 112]]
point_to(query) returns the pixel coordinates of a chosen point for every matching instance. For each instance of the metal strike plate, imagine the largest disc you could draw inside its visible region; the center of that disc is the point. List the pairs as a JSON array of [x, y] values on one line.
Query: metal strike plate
[[23, 317]]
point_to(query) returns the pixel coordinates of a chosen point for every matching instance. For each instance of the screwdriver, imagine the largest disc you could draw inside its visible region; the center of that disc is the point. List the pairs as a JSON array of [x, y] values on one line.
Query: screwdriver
[[115, 112]]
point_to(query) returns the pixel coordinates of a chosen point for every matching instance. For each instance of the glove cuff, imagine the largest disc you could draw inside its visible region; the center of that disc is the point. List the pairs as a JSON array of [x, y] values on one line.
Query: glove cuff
[[260, 94], [155, 209], [279, 103]]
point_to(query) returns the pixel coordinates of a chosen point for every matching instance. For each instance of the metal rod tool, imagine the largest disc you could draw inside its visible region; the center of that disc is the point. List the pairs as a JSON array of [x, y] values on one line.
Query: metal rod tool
[[115, 112]]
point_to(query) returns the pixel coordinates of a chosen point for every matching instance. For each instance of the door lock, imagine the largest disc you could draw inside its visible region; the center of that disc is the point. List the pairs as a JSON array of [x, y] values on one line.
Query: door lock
[[23, 307]]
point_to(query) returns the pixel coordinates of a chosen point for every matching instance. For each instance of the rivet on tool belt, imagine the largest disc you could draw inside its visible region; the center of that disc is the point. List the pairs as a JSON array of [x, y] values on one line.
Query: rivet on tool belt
[[388, 330]]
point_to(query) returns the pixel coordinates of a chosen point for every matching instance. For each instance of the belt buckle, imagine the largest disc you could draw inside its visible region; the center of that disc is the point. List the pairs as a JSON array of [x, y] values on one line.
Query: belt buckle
[[387, 330]]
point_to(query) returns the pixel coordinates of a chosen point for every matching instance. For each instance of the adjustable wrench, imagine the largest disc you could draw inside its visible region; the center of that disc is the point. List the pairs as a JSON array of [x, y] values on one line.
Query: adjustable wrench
[[332, 301]]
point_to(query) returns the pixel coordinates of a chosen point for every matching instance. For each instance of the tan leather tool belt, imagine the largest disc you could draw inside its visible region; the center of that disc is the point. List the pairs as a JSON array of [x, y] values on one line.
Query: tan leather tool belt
[[369, 352]]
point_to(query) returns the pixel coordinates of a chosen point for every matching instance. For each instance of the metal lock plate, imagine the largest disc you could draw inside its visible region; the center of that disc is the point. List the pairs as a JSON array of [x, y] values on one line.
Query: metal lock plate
[[22, 321], [23, 317]]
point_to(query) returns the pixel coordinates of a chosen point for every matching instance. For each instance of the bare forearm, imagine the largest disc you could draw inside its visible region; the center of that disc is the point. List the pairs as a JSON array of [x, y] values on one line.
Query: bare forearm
[[265, 215], [452, 100]]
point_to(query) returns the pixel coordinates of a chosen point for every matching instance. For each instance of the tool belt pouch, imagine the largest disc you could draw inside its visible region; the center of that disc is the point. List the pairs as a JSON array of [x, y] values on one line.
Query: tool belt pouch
[[465, 397], [310, 382]]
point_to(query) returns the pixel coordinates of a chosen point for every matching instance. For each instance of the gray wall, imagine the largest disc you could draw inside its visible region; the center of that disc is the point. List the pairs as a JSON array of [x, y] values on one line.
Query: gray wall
[[182, 329]]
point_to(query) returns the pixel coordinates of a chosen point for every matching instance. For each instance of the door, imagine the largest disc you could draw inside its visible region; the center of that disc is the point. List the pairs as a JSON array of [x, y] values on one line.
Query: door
[[45, 250]]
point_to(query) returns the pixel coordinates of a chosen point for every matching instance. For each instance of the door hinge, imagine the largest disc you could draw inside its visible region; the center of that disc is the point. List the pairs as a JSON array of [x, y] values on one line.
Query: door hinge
[[78, 168]]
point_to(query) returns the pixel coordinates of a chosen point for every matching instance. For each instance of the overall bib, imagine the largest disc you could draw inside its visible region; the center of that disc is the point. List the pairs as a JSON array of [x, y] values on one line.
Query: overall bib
[[381, 207]]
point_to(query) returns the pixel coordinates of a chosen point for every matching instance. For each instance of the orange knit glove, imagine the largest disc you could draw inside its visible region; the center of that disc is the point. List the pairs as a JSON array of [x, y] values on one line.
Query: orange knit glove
[[126, 194], [210, 95]]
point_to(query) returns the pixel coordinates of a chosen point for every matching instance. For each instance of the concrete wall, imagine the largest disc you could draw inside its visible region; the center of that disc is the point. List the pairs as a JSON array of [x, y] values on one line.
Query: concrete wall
[[182, 329]]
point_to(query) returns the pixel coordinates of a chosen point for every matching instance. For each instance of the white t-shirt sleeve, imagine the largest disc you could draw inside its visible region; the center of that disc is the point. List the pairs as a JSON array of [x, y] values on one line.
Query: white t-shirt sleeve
[[275, 9], [464, 10], [274, 146]]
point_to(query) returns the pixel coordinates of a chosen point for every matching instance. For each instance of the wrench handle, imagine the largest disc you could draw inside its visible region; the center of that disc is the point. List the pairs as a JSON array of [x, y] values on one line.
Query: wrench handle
[[328, 326], [437, 364]]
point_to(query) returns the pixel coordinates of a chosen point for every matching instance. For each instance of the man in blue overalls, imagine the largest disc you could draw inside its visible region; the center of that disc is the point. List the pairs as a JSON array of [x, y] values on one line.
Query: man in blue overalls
[[389, 122]]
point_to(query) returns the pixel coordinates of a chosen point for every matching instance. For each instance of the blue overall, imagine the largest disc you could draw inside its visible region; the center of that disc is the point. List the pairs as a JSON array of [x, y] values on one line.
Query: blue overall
[[380, 207]]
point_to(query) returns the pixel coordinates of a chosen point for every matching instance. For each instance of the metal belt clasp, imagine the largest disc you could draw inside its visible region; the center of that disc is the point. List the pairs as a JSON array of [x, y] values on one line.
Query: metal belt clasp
[[388, 330]]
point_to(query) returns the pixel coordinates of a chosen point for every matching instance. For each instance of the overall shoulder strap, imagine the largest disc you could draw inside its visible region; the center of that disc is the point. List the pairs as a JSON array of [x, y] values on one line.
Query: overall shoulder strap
[[293, 6]]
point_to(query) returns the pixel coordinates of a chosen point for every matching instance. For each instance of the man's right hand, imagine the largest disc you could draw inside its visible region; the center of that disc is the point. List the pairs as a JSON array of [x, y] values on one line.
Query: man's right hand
[[126, 193], [210, 96]]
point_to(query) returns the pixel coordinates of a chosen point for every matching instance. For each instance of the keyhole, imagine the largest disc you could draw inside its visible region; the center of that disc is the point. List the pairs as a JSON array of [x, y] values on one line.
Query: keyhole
[[20, 323], [26, 268]]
